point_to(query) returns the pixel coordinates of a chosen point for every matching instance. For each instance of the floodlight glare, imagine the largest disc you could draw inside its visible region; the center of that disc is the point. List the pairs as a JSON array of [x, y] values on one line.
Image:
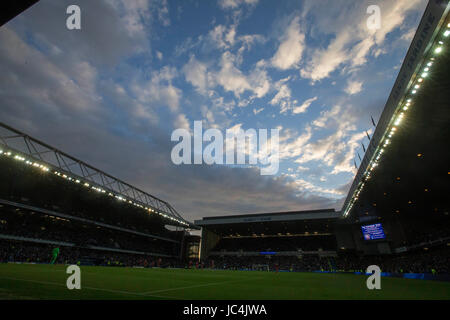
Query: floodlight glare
[[438, 50]]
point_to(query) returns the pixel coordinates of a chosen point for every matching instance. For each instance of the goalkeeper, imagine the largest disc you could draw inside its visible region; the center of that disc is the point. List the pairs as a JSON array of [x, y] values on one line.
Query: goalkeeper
[[55, 253]]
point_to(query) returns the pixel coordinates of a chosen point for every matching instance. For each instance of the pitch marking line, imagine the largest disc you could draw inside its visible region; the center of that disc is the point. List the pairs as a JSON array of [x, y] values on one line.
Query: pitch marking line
[[197, 286], [84, 287]]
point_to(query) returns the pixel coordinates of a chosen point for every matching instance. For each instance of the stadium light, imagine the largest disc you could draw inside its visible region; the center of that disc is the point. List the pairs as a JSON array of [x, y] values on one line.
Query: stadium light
[[438, 50], [44, 168]]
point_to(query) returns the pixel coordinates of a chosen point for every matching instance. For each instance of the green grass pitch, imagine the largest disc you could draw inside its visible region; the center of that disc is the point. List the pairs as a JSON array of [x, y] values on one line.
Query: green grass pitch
[[26, 281]]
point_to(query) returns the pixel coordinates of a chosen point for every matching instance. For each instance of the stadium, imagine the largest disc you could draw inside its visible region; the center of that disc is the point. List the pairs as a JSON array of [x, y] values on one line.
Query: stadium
[[130, 244]]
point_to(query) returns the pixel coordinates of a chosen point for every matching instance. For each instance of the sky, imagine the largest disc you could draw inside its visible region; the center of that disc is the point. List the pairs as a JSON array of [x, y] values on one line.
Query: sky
[[112, 93]]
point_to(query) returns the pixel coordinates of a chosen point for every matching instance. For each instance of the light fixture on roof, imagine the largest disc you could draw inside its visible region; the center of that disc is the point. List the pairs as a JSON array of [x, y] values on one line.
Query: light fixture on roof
[[438, 50]]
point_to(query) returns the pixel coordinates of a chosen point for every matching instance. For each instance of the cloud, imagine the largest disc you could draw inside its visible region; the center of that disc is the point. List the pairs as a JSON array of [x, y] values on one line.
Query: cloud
[[306, 185], [353, 87], [283, 99], [220, 38], [72, 85], [305, 105], [291, 47], [230, 77], [159, 90], [353, 42], [337, 149], [234, 80], [291, 144], [256, 111], [182, 122], [326, 116], [233, 4], [196, 74], [408, 36]]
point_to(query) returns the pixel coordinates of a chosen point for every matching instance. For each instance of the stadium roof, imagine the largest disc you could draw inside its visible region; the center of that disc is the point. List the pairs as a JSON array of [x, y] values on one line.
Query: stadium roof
[[291, 217], [303, 223], [39, 154], [415, 117]]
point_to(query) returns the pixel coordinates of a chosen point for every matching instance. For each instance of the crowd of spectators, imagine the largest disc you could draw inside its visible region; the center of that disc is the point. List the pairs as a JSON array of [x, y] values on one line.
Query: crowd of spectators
[[426, 234], [29, 252], [277, 243], [24, 223], [419, 261]]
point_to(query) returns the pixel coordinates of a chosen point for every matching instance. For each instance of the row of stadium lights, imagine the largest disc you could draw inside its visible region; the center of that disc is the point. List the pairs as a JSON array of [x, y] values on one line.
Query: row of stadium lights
[[387, 140], [87, 185]]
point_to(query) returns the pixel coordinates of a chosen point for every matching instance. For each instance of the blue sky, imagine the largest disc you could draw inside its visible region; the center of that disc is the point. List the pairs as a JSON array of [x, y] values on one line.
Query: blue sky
[[113, 92]]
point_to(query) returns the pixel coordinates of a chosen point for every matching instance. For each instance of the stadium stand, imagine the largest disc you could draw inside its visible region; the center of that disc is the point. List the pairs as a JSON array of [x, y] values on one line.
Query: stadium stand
[[46, 205]]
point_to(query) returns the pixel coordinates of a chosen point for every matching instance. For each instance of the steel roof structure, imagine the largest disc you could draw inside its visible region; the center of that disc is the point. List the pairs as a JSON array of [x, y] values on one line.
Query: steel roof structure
[[34, 152]]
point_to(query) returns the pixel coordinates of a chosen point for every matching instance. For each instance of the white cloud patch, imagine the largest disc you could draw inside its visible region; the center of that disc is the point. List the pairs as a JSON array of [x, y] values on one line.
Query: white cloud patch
[[256, 111], [337, 149], [233, 4], [305, 105], [230, 77], [353, 87], [182, 122], [353, 41], [283, 99], [196, 73], [304, 185], [159, 91], [291, 47]]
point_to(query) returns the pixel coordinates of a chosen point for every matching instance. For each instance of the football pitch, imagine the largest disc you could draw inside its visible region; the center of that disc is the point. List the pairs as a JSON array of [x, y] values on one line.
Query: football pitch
[[29, 281]]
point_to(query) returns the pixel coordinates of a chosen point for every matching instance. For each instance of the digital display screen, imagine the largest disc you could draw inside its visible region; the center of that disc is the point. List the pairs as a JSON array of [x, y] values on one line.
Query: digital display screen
[[373, 232]]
